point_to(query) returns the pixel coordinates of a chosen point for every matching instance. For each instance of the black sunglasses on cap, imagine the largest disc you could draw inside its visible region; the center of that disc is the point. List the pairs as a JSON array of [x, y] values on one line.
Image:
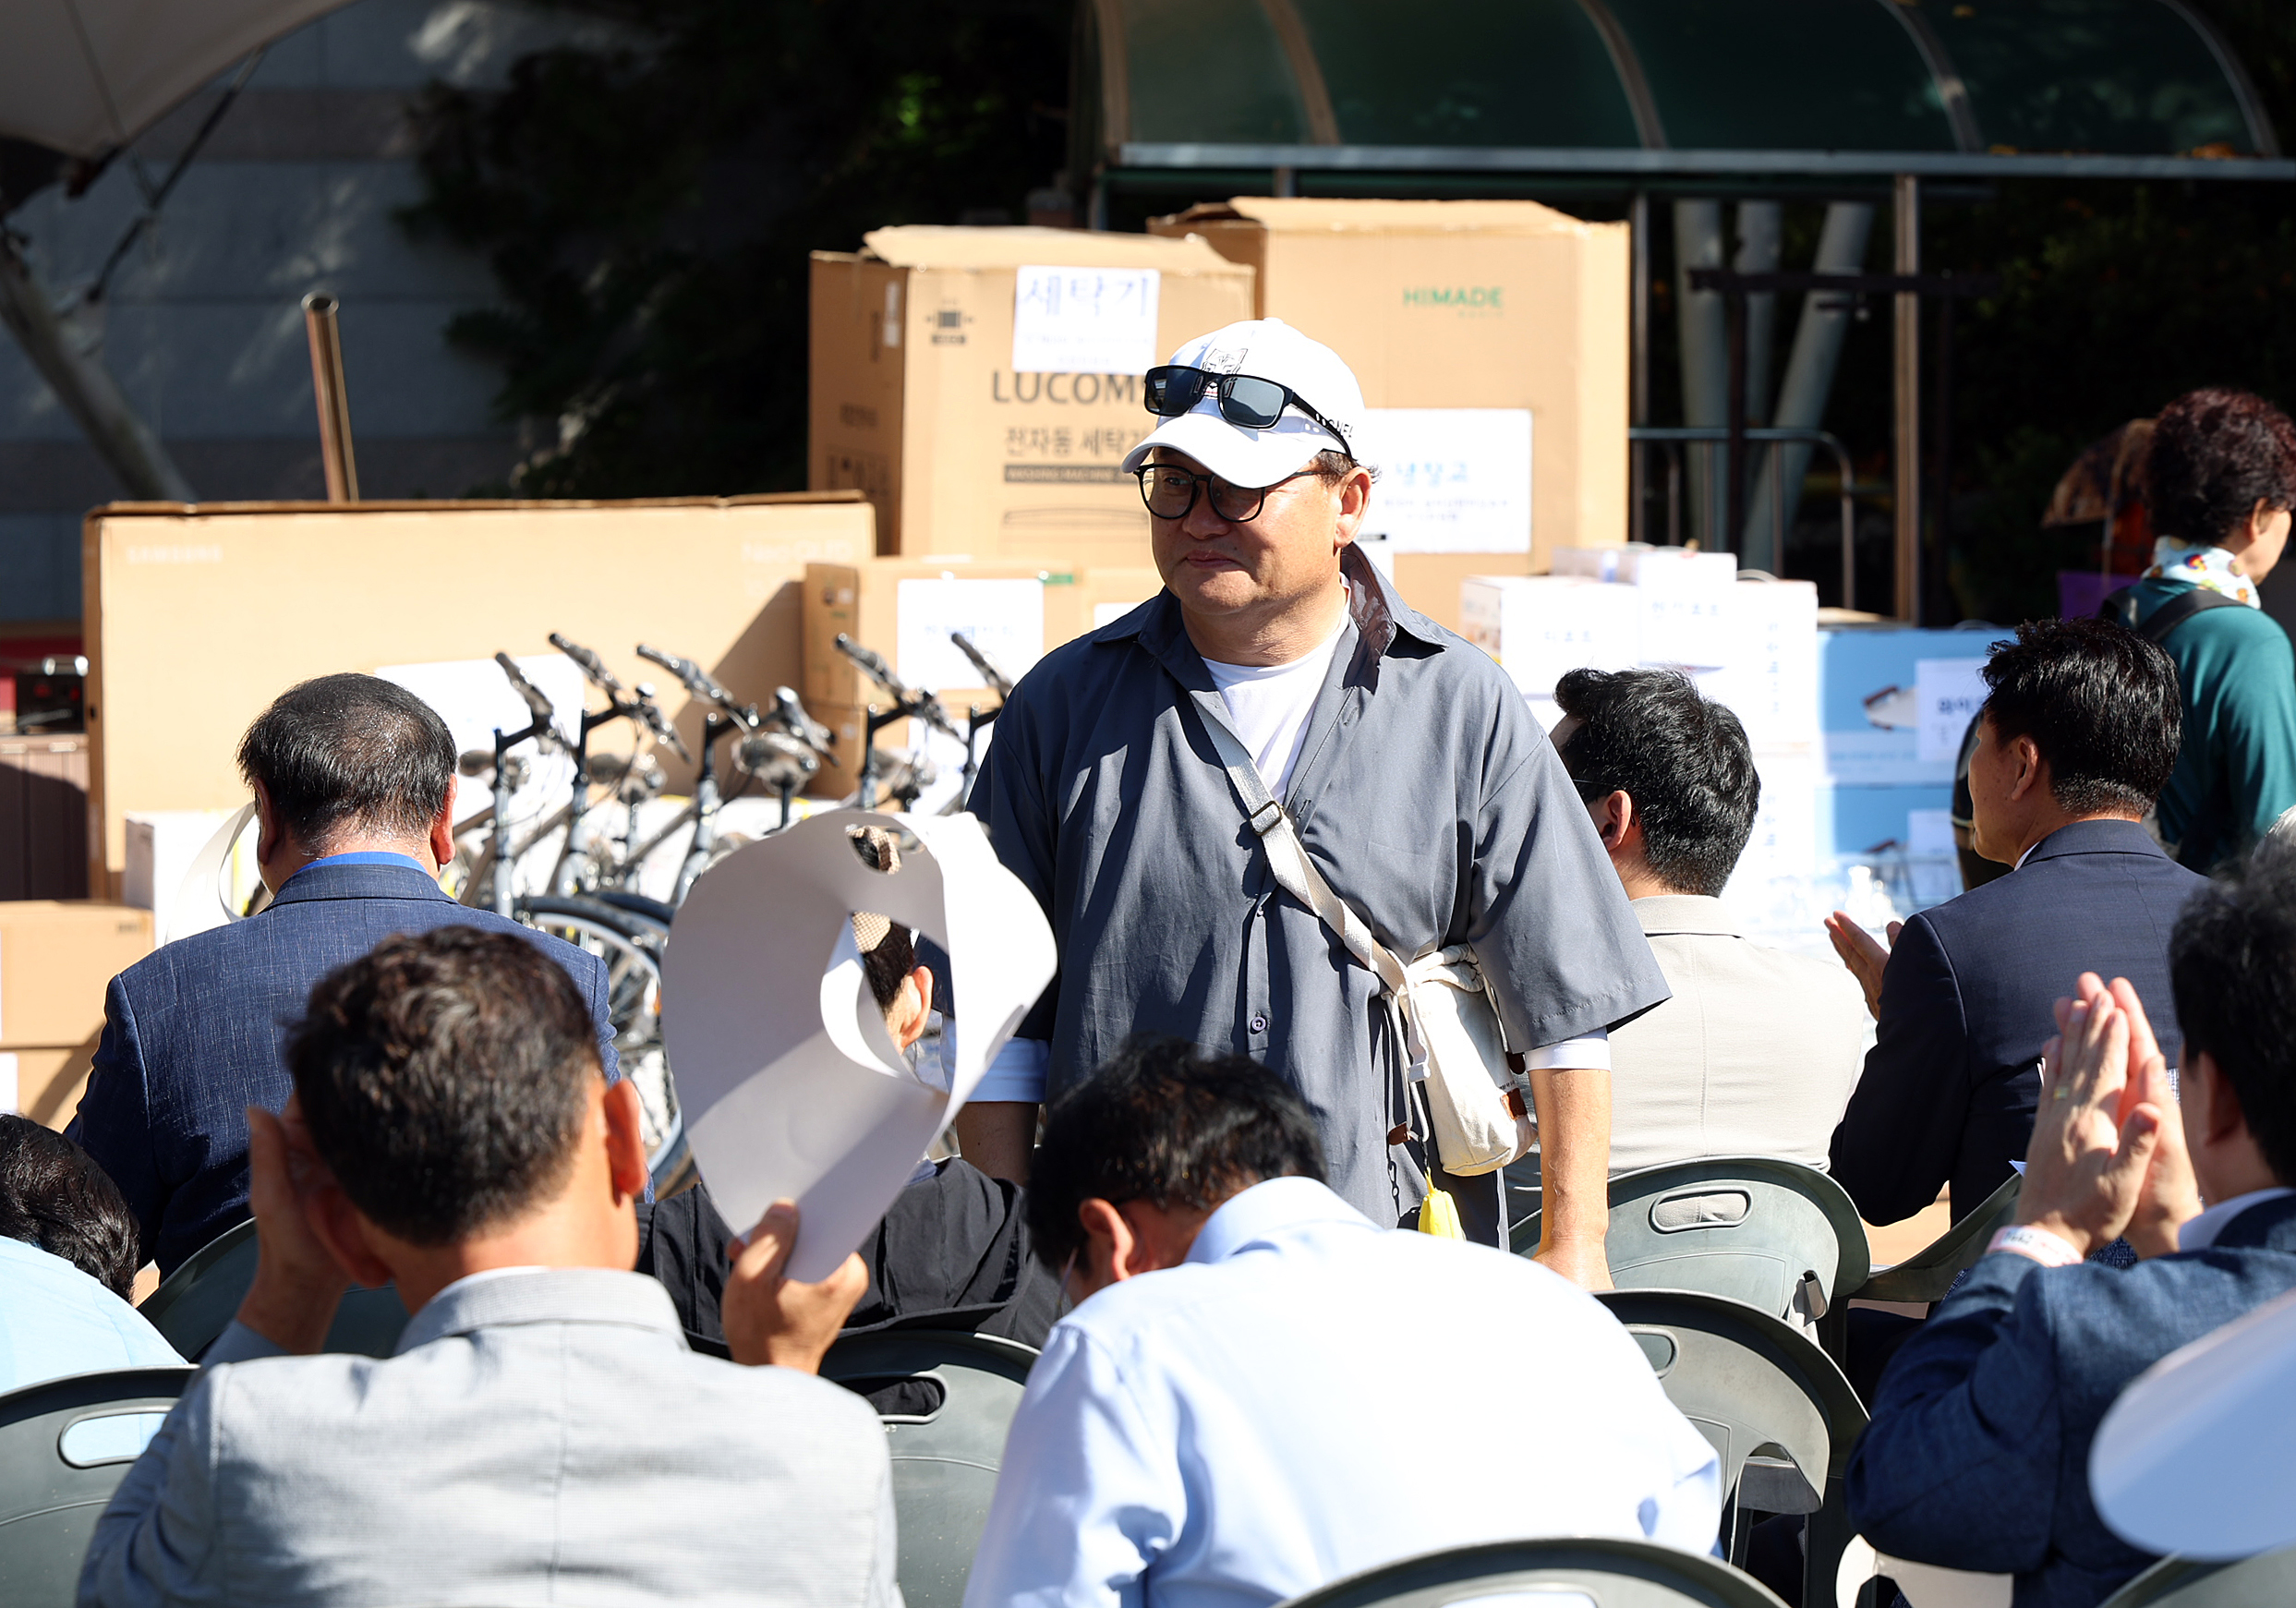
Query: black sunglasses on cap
[[1172, 389]]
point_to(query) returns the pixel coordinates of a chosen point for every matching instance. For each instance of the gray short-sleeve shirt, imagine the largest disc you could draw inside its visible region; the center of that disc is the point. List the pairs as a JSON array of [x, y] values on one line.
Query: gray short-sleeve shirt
[[1426, 796]]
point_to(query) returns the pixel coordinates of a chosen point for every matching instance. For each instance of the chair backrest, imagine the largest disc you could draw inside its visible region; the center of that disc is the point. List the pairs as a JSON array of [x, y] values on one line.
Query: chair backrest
[[1581, 1572], [1927, 1273], [65, 1445], [1750, 1228], [2267, 1580], [196, 1303], [947, 1440], [1778, 1410]]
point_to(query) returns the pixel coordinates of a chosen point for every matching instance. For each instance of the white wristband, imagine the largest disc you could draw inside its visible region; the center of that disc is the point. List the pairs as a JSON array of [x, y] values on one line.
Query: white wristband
[[2034, 1244]]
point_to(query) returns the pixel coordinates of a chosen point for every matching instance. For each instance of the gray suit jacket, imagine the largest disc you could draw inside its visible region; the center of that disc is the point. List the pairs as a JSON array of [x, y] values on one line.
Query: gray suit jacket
[[1754, 1055], [539, 1438]]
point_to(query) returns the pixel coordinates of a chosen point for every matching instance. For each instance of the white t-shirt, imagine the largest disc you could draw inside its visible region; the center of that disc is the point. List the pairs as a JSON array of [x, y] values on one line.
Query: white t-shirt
[[1268, 706]]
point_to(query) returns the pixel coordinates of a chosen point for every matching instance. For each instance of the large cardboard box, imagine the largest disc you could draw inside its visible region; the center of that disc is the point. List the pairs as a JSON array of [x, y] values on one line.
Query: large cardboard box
[[1459, 305], [982, 386], [198, 616], [56, 958]]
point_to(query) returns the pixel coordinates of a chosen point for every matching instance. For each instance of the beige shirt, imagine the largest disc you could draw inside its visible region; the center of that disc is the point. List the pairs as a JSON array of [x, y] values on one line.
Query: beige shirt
[[1754, 1055]]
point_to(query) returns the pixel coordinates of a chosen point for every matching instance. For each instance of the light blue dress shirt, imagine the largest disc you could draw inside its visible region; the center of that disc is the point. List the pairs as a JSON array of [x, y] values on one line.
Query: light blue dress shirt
[[1310, 1395], [56, 1321]]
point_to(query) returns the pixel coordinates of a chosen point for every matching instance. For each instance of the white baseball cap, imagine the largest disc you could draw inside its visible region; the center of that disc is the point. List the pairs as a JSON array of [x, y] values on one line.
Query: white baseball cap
[[1264, 349]]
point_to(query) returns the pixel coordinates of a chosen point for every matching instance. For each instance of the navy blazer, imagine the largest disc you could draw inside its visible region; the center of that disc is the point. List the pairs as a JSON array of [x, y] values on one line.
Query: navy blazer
[[1968, 999], [1978, 1453], [192, 1035]]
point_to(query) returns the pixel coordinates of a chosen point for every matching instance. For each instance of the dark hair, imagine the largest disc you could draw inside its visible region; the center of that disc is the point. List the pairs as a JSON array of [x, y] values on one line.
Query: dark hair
[[1682, 758], [2215, 455], [444, 1078], [54, 1195], [349, 751], [1159, 1121], [2232, 969], [890, 963], [2099, 702], [1332, 466]]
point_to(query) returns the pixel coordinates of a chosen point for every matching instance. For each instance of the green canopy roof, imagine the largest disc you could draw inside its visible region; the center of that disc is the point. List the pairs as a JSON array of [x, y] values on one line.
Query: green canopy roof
[[2101, 88]]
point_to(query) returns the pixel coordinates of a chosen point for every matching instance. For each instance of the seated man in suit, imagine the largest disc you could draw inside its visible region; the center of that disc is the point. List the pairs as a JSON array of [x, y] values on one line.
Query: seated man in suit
[[1245, 1403], [68, 1261], [353, 780], [2076, 738], [543, 1435], [1756, 1052], [1978, 1453]]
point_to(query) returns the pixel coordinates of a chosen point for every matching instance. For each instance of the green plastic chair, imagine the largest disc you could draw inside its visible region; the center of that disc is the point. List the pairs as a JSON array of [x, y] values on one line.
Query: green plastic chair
[[1774, 1235], [65, 1447], [1930, 1271], [1576, 1573], [2267, 1580], [195, 1303], [946, 1453], [1777, 1409]]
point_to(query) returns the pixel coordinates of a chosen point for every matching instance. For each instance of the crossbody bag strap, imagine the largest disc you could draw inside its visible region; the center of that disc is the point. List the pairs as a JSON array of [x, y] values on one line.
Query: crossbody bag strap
[[1286, 856]]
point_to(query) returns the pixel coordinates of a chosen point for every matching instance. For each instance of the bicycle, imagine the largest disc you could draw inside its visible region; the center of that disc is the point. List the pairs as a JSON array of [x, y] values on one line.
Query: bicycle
[[908, 703]]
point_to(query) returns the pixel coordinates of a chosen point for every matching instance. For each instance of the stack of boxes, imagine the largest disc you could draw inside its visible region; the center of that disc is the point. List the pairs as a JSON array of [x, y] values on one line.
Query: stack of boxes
[[57, 957], [1750, 645]]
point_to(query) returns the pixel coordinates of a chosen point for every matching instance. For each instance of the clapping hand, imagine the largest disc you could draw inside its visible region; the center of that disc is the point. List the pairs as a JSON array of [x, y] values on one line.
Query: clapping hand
[[2171, 1196], [1862, 955], [2098, 1127], [771, 1319]]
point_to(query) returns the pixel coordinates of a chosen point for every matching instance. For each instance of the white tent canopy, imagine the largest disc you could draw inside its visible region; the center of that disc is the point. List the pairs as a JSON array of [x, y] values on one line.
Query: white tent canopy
[[85, 77]]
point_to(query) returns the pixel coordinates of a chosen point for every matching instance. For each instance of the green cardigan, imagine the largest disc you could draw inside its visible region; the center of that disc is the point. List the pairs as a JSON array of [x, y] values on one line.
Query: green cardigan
[[2236, 769]]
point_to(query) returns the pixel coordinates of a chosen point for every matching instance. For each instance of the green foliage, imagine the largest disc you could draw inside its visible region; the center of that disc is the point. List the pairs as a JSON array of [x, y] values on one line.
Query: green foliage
[[648, 207]]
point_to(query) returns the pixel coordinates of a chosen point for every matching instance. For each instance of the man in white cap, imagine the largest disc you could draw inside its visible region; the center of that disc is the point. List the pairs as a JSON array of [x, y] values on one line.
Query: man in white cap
[[1422, 790]]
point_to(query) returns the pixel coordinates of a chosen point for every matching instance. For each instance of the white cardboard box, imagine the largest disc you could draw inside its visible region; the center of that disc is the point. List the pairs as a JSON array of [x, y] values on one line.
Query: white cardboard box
[[1538, 626]]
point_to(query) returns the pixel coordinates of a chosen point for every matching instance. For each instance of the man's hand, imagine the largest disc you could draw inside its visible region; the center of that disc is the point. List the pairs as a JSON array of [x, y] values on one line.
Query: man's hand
[[769, 1319], [2171, 1196], [298, 1283], [2084, 1171], [1863, 957]]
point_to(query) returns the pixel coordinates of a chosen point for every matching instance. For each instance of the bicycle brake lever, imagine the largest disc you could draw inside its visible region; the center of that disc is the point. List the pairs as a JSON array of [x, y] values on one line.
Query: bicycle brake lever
[[592, 666], [791, 713], [656, 724]]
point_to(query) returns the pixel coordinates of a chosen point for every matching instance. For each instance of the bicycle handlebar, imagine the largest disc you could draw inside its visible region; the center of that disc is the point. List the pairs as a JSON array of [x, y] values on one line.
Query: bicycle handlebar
[[657, 724], [536, 703], [592, 666], [698, 681], [990, 676], [922, 706]]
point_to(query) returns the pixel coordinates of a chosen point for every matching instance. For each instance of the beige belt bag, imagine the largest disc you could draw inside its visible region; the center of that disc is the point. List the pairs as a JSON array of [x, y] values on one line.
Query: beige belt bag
[[1477, 1096]]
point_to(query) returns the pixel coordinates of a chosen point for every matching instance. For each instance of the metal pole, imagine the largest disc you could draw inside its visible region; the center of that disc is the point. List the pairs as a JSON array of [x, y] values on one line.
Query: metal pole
[[335, 403], [1726, 534], [1906, 213], [66, 357], [1638, 374]]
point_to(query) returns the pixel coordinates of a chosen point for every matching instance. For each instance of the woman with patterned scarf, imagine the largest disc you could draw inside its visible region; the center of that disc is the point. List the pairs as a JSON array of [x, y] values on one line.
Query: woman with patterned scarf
[[2220, 479]]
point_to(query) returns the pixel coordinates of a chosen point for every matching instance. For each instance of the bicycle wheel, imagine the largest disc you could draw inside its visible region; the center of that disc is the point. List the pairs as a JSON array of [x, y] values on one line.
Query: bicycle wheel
[[630, 947]]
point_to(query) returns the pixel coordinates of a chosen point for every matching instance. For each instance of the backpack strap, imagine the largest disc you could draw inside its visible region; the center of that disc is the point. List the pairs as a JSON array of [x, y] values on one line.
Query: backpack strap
[[2121, 609]]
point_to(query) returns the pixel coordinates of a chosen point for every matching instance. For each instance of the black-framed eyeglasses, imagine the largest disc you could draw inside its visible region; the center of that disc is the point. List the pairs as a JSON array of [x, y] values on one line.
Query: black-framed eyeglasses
[[1172, 389], [1171, 492], [1588, 792]]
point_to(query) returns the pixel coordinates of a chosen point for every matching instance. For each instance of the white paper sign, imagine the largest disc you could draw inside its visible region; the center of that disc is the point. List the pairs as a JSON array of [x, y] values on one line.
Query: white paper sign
[[1084, 321], [1946, 693], [476, 699], [787, 1077], [1451, 479], [1005, 618]]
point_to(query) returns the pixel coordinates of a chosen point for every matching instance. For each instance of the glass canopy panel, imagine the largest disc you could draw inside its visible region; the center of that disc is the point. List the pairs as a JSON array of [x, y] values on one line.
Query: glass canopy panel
[[1468, 72], [1785, 75], [2119, 76], [1208, 70]]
